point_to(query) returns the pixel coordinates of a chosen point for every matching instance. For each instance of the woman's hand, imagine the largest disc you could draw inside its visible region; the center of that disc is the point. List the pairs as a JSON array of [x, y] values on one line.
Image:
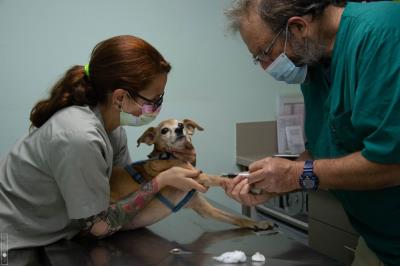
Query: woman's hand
[[180, 178], [239, 190], [275, 175]]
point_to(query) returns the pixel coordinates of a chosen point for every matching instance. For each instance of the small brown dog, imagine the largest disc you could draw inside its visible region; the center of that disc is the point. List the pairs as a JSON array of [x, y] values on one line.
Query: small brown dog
[[167, 136]]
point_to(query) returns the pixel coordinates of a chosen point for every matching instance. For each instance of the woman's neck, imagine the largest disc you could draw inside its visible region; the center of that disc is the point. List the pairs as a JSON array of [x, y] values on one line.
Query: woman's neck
[[110, 117]]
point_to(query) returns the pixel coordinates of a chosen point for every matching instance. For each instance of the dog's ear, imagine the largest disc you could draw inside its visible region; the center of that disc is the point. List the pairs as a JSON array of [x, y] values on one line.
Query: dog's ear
[[191, 126], [147, 137]]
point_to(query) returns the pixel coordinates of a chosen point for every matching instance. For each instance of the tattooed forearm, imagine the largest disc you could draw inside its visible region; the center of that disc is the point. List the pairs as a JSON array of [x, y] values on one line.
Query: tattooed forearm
[[124, 210], [120, 213]]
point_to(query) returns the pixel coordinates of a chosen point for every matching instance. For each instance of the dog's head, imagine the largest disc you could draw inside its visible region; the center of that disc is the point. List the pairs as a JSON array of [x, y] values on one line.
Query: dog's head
[[170, 135]]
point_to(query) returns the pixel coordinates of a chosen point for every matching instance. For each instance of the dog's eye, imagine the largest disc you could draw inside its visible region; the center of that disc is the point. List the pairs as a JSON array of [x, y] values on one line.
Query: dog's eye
[[180, 125], [164, 131]]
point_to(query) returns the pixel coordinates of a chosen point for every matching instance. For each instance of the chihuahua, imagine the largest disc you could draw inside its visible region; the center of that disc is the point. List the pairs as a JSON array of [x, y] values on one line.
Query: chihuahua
[[171, 135]]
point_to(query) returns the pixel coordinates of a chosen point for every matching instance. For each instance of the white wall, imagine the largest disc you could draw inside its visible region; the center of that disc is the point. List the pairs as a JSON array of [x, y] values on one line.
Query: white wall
[[213, 80]]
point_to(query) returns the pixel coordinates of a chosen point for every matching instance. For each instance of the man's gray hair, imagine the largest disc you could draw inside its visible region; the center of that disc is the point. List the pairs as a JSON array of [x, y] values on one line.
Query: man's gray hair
[[239, 10], [275, 13]]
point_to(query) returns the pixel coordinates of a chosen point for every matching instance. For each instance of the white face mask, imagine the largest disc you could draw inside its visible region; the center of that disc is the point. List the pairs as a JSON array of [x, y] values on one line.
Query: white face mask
[[283, 69], [147, 116]]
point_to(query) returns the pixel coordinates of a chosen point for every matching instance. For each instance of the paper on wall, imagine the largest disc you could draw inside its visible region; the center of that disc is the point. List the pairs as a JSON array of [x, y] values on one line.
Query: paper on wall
[[282, 123], [290, 116], [295, 140]]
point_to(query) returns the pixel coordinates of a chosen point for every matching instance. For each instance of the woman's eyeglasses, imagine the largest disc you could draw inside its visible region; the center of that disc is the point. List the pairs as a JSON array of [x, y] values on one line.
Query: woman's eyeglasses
[[155, 103]]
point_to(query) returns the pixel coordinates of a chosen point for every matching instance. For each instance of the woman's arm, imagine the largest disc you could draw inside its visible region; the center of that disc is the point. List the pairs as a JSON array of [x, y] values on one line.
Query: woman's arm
[[119, 213], [122, 212]]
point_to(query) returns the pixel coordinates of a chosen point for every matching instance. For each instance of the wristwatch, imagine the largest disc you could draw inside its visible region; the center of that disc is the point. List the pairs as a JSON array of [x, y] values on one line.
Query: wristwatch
[[308, 180]]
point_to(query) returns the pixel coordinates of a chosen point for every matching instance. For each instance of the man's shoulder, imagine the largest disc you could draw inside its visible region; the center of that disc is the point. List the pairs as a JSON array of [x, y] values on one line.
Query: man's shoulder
[[367, 28], [374, 16]]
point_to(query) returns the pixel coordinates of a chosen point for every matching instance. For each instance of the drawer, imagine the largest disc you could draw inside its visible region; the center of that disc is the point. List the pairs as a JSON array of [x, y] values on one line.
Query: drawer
[[324, 207], [331, 241]]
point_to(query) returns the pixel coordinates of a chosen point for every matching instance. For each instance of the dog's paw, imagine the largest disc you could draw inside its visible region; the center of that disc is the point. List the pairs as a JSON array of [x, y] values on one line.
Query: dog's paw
[[263, 225], [255, 225], [258, 225], [208, 180]]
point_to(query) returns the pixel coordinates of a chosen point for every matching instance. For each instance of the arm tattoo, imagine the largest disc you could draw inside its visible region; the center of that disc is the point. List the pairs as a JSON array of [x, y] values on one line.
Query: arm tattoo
[[121, 212]]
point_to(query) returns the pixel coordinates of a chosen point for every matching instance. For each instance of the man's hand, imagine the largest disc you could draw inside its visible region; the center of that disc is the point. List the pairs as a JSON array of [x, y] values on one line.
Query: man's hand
[[275, 175], [239, 190]]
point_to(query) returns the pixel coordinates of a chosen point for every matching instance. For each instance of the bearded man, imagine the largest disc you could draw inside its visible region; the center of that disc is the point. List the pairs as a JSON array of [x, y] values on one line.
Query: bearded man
[[347, 60]]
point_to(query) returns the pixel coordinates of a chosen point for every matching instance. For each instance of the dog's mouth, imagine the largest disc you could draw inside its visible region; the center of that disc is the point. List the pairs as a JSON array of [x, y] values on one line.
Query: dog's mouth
[[180, 142], [179, 138]]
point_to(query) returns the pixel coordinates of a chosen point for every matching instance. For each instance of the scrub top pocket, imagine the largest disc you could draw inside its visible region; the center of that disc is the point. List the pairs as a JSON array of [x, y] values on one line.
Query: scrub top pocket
[[343, 132]]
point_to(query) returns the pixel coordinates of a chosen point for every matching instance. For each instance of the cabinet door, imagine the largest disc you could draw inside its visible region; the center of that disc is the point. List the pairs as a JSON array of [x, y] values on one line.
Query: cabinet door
[[332, 241]]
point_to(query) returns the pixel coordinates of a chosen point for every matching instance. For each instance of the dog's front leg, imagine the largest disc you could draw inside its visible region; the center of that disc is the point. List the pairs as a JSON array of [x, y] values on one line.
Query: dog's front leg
[[210, 180], [200, 205]]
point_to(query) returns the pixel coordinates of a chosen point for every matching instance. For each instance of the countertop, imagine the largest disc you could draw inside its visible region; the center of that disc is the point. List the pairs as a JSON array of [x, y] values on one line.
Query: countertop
[[200, 238]]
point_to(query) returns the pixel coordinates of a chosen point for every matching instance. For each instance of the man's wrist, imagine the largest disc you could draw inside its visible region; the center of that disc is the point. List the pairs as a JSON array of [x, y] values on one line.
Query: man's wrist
[[297, 172], [308, 180]]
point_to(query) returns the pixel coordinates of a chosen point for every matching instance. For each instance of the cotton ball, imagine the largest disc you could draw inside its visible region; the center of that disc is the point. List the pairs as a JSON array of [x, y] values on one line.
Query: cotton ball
[[258, 257], [231, 257]]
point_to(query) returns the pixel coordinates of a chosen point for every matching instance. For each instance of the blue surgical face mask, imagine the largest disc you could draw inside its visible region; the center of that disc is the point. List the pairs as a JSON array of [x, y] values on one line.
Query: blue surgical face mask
[[283, 69]]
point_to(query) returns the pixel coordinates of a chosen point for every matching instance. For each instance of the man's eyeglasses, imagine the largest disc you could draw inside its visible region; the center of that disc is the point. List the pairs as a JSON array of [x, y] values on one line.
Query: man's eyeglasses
[[155, 103], [265, 53]]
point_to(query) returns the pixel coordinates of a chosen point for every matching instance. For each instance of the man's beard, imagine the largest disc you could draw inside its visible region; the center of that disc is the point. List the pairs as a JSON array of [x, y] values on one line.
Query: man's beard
[[308, 52]]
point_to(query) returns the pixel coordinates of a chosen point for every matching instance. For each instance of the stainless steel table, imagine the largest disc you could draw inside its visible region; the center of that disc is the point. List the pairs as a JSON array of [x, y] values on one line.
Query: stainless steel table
[[200, 239]]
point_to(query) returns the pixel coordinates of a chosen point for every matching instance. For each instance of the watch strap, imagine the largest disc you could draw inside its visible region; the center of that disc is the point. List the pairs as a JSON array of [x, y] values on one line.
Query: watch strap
[[308, 176], [308, 167]]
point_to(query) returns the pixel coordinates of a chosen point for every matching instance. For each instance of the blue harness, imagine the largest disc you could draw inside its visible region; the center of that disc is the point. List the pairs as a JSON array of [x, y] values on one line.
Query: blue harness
[[140, 179]]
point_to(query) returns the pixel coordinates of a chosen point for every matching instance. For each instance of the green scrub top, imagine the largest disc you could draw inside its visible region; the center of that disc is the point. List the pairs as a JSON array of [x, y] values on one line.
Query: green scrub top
[[354, 105]]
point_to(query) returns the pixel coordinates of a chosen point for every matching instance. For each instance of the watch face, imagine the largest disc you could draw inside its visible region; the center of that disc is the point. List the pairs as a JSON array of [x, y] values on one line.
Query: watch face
[[308, 183]]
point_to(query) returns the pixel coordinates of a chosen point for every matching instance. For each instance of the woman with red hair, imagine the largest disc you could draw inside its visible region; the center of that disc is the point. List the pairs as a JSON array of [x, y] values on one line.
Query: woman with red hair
[[54, 183]]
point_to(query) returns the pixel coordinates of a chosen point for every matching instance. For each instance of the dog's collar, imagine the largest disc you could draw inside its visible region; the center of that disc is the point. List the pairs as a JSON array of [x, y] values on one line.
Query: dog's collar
[[161, 156], [140, 179], [165, 156]]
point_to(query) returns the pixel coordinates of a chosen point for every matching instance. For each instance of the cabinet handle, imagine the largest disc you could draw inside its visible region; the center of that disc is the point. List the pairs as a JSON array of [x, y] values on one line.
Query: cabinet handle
[[349, 249]]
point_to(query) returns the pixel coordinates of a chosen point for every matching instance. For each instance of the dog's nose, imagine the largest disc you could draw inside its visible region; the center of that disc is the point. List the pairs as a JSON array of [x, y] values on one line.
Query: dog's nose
[[179, 130]]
